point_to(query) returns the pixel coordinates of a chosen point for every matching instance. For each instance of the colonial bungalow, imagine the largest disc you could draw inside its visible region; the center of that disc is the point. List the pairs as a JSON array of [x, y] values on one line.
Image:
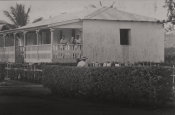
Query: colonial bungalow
[[105, 34]]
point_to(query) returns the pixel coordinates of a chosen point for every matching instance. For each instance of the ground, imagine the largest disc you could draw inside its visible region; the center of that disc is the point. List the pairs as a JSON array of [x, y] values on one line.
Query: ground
[[22, 98]]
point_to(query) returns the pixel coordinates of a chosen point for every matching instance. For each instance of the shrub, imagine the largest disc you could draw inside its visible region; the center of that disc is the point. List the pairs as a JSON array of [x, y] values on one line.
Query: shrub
[[24, 73], [132, 85], [2, 71]]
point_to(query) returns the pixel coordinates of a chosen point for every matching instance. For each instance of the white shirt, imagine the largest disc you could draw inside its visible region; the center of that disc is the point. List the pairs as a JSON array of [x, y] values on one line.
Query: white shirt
[[108, 64], [117, 65], [82, 64]]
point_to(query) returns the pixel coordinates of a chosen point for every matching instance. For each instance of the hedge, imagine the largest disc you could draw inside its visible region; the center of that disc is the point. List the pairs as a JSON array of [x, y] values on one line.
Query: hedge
[[24, 73], [2, 71], [29, 75], [125, 85]]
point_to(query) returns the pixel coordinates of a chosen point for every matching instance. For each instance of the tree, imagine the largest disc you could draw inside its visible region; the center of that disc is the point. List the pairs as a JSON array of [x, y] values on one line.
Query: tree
[[170, 5], [170, 22], [17, 15]]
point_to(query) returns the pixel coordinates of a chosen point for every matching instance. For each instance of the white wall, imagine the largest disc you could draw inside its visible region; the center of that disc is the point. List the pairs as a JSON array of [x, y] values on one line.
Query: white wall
[[101, 41]]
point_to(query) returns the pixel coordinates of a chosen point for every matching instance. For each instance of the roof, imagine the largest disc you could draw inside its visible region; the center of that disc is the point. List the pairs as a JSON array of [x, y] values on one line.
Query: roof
[[93, 13], [105, 13], [62, 18], [3, 22], [115, 14]]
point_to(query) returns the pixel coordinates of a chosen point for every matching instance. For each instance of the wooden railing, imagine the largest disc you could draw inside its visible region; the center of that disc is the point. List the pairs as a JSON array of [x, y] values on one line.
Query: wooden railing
[[38, 53], [66, 52], [2, 54], [43, 53], [7, 54]]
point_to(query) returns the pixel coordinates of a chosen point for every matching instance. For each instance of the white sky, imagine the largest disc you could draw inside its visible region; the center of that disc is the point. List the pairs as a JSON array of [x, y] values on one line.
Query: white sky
[[43, 8]]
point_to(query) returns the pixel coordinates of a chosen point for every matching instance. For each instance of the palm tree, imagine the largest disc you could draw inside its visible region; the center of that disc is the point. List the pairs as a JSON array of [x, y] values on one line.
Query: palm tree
[[17, 15]]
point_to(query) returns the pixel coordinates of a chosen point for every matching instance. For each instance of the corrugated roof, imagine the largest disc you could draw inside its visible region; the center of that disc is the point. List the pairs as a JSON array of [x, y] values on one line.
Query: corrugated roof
[[92, 13], [62, 18], [3, 22], [115, 14]]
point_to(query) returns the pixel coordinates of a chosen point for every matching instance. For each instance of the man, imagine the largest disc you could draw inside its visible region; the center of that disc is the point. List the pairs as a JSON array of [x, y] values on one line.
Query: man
[[83, 62]]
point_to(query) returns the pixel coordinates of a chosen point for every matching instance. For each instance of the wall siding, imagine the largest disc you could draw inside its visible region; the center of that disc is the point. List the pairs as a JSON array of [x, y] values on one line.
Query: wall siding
[[101, 41]]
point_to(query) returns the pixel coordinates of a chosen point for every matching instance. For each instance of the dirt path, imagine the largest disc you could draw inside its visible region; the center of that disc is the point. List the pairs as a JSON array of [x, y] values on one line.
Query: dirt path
[[21, 98]]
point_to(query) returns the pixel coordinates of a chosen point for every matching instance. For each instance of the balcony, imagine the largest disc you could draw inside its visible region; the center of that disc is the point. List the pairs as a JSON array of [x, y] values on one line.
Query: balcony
[[62, 53], [37, 53], [66, 53]]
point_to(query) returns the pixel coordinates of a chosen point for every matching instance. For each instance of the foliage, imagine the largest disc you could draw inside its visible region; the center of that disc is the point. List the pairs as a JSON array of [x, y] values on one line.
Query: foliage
[[17, 15], [131, 85], [2, 71], [25, 72], [169, 23], [170, 5]]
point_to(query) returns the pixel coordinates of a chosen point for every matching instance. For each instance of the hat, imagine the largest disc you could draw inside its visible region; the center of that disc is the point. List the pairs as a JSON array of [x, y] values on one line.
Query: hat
[[84, 58]]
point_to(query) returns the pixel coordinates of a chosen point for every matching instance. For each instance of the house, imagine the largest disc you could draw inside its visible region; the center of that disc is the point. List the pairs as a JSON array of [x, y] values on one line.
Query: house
[[105, 34]]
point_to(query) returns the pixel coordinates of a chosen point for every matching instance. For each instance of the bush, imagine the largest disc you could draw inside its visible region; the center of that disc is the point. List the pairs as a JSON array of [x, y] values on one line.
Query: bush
[[131, 85], [25, 73], [2, 71]]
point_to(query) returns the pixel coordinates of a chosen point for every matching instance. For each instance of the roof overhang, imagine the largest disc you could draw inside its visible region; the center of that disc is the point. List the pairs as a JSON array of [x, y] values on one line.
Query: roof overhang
[[69, 24], [54, 25], [64, 23]]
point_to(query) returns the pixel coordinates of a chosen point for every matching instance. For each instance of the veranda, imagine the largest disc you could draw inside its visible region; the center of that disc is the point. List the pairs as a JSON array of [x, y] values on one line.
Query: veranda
[[41, 45]]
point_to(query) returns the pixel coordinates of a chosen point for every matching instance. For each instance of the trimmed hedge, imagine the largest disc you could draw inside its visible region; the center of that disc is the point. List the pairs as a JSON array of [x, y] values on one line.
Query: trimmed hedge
[[125, 85], [24, 73], [2, 71]]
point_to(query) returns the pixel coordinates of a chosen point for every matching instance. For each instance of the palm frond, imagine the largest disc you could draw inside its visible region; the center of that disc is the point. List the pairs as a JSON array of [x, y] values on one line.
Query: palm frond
[[113, 4], [101, 4], [18, 15], [6, 13]]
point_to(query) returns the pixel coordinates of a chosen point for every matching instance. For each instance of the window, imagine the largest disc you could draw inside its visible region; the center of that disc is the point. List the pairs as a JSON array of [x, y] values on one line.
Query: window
[[31, 38], [45, 37], [124, 36]]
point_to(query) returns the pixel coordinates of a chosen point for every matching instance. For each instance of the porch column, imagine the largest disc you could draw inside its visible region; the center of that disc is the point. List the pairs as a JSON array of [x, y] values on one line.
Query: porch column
[[51, 42], [4, 52], [37, 42], [81, 37], [14, 36], [37, 36], [4, 38], [24, 34]]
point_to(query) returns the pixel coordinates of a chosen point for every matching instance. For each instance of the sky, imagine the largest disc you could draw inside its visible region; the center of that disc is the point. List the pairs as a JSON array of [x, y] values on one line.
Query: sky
[[51, 8]]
